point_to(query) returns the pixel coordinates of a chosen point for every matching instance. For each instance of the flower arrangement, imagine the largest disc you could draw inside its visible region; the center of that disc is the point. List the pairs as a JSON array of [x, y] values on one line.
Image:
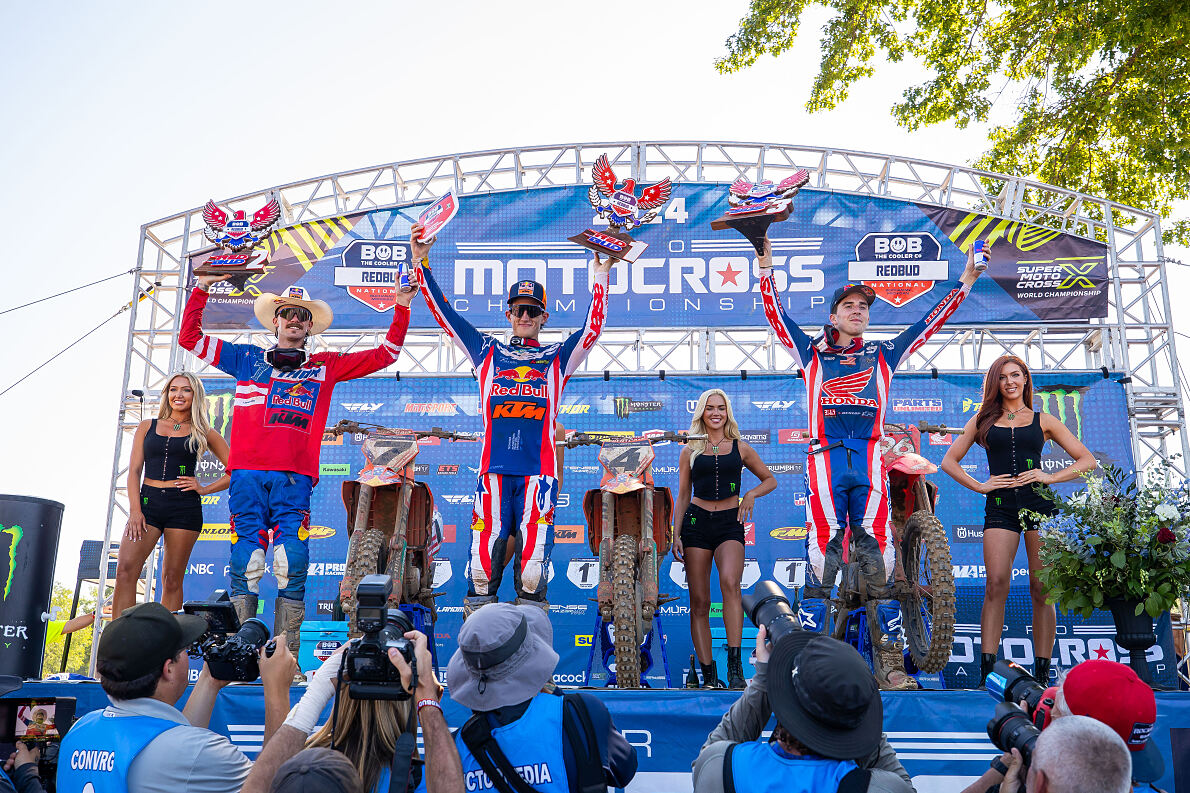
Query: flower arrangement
[[1114, 540]]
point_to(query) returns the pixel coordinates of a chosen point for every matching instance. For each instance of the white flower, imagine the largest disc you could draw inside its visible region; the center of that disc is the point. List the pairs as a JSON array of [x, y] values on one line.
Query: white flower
[[1166, 512]]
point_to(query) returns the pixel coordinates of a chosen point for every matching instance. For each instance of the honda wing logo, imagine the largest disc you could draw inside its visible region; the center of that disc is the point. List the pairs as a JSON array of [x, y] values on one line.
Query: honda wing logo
[[843, 390]]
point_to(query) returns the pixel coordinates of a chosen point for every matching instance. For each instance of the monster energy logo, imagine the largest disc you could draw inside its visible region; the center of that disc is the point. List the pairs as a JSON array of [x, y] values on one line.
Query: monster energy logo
[[16, 532], [1060, 395], [625, 406], [219, 410]]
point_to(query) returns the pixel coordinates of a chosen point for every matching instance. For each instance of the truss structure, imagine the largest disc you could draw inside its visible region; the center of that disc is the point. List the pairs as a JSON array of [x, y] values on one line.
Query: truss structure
[[1136, 338]]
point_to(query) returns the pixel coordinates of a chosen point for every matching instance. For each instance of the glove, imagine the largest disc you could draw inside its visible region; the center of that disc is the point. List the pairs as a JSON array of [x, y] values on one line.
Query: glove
[[304, 715]]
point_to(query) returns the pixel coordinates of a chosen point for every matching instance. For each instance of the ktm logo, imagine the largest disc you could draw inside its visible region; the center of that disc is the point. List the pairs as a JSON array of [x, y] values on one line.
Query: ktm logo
[[789, 533], [518, 409], [843, 390], [570, 534]]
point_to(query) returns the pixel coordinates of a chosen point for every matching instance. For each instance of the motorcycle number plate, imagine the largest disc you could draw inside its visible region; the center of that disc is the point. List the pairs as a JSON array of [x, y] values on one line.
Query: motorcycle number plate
[[391, 451], [631, 456]]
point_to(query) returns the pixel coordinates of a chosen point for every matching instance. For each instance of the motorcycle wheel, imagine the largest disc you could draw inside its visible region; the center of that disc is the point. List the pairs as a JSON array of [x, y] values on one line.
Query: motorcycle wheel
[[626, 611], [928, 600], [363, 558]]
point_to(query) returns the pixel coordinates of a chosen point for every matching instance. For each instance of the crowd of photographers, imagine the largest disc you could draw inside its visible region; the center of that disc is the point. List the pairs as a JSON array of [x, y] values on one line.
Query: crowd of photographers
[[1090, 732]]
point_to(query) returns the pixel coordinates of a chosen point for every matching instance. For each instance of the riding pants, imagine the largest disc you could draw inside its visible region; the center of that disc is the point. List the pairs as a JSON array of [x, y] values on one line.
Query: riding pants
[[268, 505], [505, 504]]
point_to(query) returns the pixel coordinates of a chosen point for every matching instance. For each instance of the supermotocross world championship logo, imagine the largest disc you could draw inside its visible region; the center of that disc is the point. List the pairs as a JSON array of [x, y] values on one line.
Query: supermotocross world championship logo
[[13, 535]]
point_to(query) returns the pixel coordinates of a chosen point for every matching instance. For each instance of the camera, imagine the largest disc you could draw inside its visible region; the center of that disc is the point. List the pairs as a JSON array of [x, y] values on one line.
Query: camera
[[767, 605], [1011, 728], [231, 650], [1012, 683], [39, 723], [366, 666]]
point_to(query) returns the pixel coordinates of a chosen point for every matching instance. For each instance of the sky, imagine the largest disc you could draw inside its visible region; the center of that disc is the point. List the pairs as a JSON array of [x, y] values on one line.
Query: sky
[[120, 113]]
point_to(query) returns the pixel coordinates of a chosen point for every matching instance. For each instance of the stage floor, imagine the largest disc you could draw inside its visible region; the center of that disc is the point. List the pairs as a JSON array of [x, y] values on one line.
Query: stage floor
[[940, 736]]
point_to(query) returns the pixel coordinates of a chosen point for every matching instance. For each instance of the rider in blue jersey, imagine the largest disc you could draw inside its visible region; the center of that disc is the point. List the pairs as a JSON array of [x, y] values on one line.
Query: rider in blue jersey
[[847, 386]]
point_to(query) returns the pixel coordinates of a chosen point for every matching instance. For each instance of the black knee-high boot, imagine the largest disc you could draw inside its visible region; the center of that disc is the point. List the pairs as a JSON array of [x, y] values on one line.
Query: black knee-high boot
[[1041, 670], [986, 662]]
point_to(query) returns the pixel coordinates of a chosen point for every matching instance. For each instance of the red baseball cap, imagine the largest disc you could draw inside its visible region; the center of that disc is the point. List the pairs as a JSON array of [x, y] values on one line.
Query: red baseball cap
[[1112, 693]]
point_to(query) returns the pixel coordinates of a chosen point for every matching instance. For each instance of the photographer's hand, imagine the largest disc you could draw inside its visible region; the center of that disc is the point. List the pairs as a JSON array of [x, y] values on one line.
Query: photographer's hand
[[276, 674], [764, 650], [428, 686], [1012, 780], [24, 755]]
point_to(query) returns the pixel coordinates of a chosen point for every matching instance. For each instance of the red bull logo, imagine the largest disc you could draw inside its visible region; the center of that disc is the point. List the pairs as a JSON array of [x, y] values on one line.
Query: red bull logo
[[521, 374], [299, 390]]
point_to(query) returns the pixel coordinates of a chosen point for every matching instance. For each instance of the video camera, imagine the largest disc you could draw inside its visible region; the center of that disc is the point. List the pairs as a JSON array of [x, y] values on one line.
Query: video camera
[[1014, 726], [231, 650], [366, 667], [39, 723]]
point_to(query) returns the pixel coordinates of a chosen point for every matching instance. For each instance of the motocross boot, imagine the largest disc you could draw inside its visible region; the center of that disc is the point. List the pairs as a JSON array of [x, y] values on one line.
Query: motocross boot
[[735, 669], [814, 614], [884, 626], [710, 678], [288, 615], [473, 603], [541, 604], [986, 662], [245, 606]]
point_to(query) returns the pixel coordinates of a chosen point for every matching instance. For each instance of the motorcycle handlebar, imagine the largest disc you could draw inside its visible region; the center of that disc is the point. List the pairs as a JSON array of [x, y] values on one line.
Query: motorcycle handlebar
[[596, 439], [935, 429], [346, 426]]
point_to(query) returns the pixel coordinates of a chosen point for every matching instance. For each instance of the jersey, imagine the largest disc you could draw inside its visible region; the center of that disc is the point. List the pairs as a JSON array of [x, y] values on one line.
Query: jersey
[[520, 385], [848, 388], [278, 416]]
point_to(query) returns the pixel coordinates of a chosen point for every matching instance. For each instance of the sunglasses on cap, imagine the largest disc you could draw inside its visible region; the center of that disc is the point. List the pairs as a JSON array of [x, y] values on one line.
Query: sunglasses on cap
[[533, 312], [300, 313]]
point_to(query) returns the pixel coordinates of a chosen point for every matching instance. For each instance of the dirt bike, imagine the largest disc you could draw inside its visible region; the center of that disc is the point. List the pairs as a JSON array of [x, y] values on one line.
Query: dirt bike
[[628, 526], [391, 526], [923, 578]]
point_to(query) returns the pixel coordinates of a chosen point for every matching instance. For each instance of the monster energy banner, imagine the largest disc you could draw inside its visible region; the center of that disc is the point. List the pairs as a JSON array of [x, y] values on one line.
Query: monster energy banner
[[771, 414], [690, 276], [28, 547]]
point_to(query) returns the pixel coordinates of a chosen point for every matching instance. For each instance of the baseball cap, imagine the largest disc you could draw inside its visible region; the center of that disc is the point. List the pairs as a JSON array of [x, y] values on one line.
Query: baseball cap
[[848, 289], [1112, 693], [318, 770], [144, 637], [529, 289]]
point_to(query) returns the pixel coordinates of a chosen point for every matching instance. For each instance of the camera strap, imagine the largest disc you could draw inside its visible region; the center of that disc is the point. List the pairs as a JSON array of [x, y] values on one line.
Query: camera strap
[[402, 765]]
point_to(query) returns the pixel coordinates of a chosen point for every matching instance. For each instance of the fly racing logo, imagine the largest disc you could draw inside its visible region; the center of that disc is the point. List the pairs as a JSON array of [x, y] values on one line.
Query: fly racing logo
[[845, 390], [455, 498], [361, 407], [774, 404]]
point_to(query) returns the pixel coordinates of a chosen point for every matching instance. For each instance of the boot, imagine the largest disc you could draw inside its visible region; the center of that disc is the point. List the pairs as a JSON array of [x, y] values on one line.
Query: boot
[[245, 606], [1041, 670], [541, 604], [288, 615], [735, 669], [814, 615], [692, 675], [710, 678], [473, 603], [884, 627], [986, 662]]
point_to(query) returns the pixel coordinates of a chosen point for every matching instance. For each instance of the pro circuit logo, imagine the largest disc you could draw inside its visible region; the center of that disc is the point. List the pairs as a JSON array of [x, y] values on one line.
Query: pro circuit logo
[[844, 390], [15, 534], [898, 266], [789, 533], [625, 406], [370, 269]]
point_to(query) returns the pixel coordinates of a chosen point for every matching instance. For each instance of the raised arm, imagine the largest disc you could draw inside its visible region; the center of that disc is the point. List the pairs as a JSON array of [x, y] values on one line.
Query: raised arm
[[580, 343], [347, 366], [788, 333], [461, 332], [919, 332], [223, 355]]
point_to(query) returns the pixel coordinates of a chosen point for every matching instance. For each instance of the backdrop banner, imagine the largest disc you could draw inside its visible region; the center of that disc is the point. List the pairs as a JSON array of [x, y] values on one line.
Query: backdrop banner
[[940, 737], [690, 275], [770, 410]]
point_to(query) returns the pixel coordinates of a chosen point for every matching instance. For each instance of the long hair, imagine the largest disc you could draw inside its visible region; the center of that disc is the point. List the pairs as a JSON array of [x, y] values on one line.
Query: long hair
[[992, 407], [730, 428], [200, 423], [367, 734]]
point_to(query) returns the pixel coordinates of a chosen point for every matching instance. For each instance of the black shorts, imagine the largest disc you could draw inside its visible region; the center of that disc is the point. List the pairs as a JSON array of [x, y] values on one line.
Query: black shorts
[[705, 529], [1007, 514], [170, 508]]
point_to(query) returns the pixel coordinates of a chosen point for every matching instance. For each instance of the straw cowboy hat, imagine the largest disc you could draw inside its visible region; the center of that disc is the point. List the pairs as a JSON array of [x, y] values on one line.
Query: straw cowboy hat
[[267, 305]]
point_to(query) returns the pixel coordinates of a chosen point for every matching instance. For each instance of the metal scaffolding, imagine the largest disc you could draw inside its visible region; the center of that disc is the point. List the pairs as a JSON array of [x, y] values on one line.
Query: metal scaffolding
[[1136, 338]]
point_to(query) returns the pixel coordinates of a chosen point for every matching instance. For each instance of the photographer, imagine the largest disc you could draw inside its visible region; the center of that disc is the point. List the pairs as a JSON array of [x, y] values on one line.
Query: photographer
[[368, 729], [20, 771], [1073, 755], [828, 735], [141, 743], [1105, 691]]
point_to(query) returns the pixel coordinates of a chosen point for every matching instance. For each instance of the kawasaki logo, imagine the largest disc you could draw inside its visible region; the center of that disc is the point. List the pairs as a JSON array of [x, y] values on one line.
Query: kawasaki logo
[[16, 532]]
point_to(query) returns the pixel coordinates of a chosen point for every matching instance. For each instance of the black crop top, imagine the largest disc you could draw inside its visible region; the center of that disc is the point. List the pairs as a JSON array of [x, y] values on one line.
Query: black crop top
[[168, 458], [714, 477], [1014, 450]]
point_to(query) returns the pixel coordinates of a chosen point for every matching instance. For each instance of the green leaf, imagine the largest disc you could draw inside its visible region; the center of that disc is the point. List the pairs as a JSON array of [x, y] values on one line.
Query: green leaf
[[1118, 558]]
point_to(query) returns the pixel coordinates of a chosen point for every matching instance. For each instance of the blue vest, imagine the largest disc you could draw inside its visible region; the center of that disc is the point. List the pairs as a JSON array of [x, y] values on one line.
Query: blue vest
[[533, 745], [759, 767], [100, 747]]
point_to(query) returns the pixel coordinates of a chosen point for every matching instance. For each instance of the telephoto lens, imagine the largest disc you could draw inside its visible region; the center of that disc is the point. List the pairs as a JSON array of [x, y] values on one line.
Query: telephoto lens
[[1010, 728]]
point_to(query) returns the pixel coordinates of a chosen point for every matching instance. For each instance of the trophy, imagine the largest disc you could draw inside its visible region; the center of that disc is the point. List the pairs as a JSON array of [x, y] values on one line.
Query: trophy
[[432, 219], [622, 210], [236, 237], [755, 207]]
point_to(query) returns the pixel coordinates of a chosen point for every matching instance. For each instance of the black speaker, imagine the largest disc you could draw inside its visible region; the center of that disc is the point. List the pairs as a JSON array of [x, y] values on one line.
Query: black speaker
[[29, 529]]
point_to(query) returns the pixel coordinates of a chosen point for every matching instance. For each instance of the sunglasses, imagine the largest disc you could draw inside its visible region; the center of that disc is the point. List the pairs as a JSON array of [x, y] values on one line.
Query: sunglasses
[[532, 312], [300, 313]]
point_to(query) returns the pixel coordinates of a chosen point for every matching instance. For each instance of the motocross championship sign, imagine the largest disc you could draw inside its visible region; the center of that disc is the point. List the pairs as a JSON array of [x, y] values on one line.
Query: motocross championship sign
[[690, 275], [770, 410]]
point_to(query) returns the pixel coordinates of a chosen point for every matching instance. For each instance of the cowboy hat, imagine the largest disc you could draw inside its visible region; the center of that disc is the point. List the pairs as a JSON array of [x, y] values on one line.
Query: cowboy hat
[[268, 304]]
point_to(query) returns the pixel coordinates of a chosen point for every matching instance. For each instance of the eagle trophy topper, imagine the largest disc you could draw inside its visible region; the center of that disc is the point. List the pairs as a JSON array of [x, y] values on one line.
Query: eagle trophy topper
[[755, 207], [237, 235], [622, 210]]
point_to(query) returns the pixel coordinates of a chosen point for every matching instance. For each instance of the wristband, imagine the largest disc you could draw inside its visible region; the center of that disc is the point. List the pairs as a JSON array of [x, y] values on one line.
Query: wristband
[[999, 767], [428, 703]]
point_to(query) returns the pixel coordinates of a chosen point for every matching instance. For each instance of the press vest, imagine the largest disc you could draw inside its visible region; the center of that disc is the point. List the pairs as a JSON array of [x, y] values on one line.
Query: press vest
[[532, 744], [757, 767], [100, 747]]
